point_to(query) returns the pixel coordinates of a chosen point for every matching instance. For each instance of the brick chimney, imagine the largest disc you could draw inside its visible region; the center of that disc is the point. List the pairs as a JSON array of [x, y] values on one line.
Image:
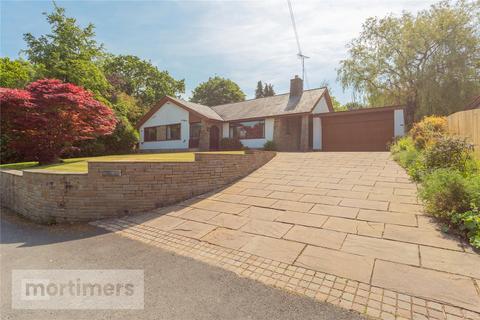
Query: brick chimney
[[296, 86], [296, 90]]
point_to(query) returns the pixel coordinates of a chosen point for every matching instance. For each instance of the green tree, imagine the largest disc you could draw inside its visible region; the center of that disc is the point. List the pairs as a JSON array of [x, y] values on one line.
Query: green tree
[[126, 106], [264, 90], [141, 79], [69, 53], [217, 91], [429, 61], [337, 106], [259, 90], [268, 90], [17, 73], [353, 106]]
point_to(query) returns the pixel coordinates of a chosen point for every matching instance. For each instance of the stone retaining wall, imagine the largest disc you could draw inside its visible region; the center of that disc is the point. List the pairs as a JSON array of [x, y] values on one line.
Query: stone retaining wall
[[120, 187]]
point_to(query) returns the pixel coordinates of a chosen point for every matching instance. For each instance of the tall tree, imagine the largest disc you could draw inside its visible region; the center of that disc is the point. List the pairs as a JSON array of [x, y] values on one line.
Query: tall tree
[[17, 73], [141, 79], [268, 90], [428, 61], [49, 116], [69, 53], [217, 91], [264, 90], [259, 90]]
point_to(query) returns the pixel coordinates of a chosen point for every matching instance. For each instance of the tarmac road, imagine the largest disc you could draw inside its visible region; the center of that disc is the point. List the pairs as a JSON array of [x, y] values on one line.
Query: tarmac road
[[175, 287]]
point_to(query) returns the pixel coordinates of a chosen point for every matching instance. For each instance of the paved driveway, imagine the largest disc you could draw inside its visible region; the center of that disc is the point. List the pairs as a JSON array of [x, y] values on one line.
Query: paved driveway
[[352, 220]]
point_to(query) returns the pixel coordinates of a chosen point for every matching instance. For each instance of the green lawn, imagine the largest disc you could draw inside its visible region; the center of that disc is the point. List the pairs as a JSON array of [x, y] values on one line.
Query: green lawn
[[80, 164]]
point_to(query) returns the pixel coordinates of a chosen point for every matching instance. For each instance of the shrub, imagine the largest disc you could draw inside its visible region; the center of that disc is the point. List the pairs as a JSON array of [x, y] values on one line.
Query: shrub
[[449, 152], [402, 144], [469, 222], [473, 189], [428, 131], [270, 146], [229, 144], [445, 192], [405, 153], [416, 168]]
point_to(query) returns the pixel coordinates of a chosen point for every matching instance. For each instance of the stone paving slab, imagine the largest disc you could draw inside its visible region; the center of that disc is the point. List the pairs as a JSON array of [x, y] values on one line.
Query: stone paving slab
[[228, 238], [266, 228], [356, 252], [426, 283], [276, 249], [315, 236], [451, 261], [336, 262], [403, 219], [302, 219], [336, 211], [230, 221], [383, 249], [421, 236], [366, 228]]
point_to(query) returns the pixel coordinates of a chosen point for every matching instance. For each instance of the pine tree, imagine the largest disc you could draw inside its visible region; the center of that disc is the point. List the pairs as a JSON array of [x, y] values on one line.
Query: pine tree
[[268, 92], [259, 90]]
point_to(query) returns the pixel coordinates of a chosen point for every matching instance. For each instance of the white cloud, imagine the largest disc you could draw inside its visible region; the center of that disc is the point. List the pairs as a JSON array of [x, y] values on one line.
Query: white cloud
[[255, 39]]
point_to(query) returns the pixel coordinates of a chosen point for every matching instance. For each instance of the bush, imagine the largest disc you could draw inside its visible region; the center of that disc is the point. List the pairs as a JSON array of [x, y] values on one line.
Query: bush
[[270, 146], [416, 169], [451, 196], [229, 144], [428, 131], [449, 173], [469, 222], [449, 152], [445, 192], [402, 144], [122, 140]]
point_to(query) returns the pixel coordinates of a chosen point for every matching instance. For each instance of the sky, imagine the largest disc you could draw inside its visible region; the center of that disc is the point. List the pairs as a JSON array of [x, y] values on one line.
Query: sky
[[245, 41]]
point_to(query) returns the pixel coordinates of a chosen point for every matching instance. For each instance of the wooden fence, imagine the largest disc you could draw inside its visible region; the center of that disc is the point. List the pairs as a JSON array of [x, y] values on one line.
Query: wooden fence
[[466, 124]]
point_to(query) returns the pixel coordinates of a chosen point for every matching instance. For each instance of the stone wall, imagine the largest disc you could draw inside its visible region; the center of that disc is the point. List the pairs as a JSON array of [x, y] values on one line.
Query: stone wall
[[121, 187], [287, 133]]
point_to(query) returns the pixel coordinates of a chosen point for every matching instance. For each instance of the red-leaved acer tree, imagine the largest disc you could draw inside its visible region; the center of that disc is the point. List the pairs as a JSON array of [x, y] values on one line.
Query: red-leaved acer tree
[[49, 116]]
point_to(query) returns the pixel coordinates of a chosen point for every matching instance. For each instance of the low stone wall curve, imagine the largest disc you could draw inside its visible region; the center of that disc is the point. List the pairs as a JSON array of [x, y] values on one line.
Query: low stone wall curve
[[117, 188]]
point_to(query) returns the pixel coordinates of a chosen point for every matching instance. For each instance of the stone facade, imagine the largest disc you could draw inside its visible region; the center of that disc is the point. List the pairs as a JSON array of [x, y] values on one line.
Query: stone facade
[[304, 133], [287, 133], [204, 142], [122, 187]]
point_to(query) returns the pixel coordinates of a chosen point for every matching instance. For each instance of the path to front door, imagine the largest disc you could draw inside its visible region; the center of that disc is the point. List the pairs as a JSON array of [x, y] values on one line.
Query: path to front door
[[345, 228]]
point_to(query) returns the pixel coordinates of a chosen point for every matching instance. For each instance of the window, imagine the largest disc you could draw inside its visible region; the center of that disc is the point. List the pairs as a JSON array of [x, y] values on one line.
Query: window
[[248, 130], [162, 133]]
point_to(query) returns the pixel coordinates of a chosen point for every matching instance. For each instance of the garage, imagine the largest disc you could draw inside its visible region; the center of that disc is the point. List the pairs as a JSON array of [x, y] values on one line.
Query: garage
[[369, 129]]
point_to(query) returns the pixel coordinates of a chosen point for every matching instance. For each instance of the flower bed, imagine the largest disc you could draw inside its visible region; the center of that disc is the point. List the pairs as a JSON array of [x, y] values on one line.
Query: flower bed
[[448, 174]]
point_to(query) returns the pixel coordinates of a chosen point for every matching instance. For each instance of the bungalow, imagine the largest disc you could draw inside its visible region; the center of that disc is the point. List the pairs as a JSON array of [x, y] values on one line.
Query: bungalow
[[300, 120]]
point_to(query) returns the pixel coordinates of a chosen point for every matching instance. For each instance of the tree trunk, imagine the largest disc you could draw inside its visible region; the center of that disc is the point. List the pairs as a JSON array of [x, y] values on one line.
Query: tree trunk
[[410, 114]]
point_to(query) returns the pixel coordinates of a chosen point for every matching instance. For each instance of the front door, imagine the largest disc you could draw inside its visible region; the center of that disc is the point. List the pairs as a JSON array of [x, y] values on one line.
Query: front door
[[214, 137]]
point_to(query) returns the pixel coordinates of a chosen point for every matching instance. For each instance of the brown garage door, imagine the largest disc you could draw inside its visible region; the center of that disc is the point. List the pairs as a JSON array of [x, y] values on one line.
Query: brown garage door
[[357, 131]]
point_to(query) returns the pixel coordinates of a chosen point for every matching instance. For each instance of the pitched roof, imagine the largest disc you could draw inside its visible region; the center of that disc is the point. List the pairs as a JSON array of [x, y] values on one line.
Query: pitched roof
[[270, 106], [198, 109], [277, 105], [201, 109]]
